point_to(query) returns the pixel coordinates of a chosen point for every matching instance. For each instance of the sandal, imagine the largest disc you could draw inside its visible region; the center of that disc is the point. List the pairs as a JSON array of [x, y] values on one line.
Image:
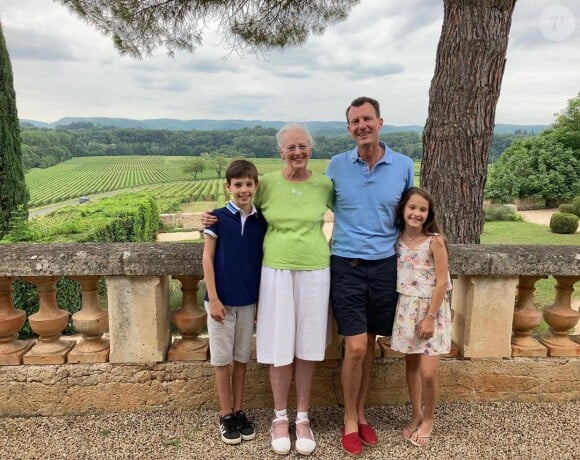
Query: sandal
[[409, 431], [280, 441], [305, 443], [416, 442]]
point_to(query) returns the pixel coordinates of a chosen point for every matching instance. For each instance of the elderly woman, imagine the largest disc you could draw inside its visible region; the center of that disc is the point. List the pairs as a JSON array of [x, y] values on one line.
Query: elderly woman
[[293, 309]]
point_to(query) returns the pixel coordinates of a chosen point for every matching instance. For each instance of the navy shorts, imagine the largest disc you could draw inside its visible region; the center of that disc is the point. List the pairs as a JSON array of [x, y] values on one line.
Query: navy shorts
[[364, 295]]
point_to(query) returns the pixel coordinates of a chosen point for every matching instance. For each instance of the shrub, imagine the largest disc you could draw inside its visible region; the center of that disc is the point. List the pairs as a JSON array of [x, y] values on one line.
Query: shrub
[[535, 167], [117, 219], [563, 223], [567, 208], [500, 213], [576, 204]]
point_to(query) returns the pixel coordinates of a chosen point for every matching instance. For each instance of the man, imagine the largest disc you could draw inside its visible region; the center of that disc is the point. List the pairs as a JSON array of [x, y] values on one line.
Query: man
[[368, 181]]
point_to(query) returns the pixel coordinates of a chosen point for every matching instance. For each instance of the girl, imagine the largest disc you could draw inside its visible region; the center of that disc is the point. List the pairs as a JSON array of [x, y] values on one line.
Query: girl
[[422, 328]]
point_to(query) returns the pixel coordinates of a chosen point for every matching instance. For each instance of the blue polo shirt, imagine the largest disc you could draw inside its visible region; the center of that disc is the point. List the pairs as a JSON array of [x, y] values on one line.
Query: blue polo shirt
[[238, 254], [365, 203]]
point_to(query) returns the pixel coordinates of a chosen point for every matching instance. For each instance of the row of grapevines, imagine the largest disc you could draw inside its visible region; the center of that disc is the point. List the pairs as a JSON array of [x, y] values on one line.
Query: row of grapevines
[[86, 176], [93, 175]]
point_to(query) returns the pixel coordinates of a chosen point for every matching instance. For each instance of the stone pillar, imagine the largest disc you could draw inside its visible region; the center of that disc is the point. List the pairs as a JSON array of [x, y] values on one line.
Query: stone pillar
[[139, 329], [91, 321], [561, 317], [526, 317], [48, 323], [189, 320], [483, 310], [11, 321]]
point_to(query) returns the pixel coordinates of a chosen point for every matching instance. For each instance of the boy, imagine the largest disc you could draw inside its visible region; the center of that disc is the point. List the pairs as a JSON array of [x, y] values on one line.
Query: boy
[[232, 258]]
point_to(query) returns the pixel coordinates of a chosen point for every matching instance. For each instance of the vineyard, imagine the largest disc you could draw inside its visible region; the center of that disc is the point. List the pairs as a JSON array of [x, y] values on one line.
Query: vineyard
[[161, 175]]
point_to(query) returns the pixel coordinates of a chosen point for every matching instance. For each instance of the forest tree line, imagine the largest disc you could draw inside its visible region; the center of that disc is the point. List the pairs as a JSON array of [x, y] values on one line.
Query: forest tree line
[[42, 147]]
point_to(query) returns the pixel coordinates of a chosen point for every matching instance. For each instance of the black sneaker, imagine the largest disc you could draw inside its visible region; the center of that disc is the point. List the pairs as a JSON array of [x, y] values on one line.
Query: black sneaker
[[245, 427], [229, 429]]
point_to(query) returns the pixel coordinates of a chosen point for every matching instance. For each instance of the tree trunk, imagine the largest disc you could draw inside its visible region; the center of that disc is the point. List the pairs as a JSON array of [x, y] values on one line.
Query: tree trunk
[[462, 100]]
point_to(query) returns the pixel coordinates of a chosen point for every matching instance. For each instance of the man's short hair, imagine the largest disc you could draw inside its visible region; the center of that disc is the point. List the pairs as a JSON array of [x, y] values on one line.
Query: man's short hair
[[364, 100]]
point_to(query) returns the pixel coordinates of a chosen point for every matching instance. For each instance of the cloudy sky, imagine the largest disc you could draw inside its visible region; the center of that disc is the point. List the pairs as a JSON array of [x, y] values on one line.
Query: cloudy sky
[[385, 49]]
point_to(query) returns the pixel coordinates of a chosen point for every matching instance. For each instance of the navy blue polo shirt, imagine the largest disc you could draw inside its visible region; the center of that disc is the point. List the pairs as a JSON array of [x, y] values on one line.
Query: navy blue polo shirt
[[238, 255]]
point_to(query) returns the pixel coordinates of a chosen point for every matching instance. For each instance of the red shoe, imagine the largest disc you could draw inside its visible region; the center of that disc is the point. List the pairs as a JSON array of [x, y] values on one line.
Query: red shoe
[[367, 435], [351, 443]]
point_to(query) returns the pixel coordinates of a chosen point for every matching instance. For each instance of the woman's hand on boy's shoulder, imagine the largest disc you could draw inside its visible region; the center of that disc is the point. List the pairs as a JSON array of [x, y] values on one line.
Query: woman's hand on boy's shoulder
[[208, 218]]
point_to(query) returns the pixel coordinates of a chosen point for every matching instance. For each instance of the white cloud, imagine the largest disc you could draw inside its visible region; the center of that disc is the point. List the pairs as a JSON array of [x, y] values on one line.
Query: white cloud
[[385, 49]]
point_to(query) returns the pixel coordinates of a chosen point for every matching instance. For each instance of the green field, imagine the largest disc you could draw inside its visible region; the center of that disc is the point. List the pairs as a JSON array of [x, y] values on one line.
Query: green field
[[86, 176], [96, 175]]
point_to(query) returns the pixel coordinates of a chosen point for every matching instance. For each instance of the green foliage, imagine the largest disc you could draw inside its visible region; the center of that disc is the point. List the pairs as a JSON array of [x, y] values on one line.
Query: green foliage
[[500, 213], [567, 208], [219, 162], [501, 142], [263, 24], [535, 167], [42, 148], [567, 125], [576, 204], [563, 223], [13, 192], [122, 218], [195, 166]]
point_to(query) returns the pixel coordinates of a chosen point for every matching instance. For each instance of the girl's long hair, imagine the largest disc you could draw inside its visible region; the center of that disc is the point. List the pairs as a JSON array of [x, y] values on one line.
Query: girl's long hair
[[430, 226]]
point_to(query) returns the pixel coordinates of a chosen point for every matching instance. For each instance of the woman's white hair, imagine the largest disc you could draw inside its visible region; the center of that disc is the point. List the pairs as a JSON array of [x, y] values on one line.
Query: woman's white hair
[[293, 127]]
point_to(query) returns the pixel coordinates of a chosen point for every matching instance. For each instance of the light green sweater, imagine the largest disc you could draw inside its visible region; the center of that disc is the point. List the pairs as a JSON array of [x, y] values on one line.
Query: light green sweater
[[294, 212]]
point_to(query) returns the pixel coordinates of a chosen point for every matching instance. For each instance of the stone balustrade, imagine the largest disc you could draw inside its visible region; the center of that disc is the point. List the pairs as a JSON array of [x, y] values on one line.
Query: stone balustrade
[[493, 311]]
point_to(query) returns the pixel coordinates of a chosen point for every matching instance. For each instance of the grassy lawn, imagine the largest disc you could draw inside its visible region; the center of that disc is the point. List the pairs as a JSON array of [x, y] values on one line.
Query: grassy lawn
[[525, 233]]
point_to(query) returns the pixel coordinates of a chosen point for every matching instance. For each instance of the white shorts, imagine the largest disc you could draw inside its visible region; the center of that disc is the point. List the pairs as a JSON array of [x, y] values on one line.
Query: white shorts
[[231, 340], [293, 313]]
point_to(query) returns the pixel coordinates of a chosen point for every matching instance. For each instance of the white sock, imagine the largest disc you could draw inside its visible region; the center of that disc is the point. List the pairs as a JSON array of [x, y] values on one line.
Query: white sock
[[281, 414], [301, 416]]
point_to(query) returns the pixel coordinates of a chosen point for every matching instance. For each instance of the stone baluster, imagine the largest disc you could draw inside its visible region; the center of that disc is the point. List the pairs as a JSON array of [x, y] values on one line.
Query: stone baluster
[[91, 321], [189, 320], [561, 317], [526, 318], [48, 323], [11, 321]]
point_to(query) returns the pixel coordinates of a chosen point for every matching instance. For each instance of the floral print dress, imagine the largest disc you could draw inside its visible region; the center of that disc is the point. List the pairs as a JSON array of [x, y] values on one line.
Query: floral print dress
[[415, 284]]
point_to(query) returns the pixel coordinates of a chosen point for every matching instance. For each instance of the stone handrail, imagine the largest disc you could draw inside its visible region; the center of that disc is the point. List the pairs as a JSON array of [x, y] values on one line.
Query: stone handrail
[[101, 259], [493, 287], [150, 259]]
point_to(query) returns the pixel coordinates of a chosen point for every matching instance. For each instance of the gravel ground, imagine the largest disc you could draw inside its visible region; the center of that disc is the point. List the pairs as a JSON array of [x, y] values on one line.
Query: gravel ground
[[463, 431]]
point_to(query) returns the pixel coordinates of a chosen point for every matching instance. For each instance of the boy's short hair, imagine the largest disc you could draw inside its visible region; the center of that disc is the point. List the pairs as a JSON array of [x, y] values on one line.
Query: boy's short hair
[[241, 168]]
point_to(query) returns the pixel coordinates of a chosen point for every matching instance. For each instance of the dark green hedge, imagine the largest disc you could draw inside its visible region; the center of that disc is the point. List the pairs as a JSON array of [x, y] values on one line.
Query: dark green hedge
[[117, 219]]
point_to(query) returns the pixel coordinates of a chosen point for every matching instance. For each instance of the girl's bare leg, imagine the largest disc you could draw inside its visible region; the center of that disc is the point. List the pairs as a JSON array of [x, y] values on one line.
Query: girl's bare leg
[[413, 374]]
